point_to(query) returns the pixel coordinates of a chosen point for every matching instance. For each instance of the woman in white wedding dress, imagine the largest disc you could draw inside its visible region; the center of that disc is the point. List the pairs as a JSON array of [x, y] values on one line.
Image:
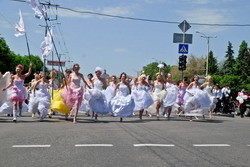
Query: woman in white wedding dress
[[141, 96], [96, 96], [208, 87], [197, 102], [158, 94], [122, 105], [40, 98], [109, 92]]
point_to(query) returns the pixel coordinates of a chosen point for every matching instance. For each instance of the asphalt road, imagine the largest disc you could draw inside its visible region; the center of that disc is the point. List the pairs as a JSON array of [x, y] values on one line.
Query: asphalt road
[[216, 142]]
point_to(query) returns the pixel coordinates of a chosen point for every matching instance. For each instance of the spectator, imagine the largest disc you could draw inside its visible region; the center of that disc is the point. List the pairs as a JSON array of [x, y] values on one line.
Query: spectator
[[242, 97], [225, 98], [218, 95]]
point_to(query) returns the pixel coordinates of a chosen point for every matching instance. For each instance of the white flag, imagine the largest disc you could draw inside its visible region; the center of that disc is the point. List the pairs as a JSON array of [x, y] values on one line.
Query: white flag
[[20, 30], [39, 11], [47, 45]]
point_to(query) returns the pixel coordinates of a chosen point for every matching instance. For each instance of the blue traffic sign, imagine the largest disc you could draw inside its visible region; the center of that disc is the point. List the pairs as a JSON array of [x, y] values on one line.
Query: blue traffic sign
[[183, 48]]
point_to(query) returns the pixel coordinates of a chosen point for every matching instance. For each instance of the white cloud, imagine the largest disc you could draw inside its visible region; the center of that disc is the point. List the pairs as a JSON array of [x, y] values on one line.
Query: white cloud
[[206, 15], [120, 50]]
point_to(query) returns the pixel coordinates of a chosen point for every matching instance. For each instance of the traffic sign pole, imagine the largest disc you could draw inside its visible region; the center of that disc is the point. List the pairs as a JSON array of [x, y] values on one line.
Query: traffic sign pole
[[183, 47], [184, 34]]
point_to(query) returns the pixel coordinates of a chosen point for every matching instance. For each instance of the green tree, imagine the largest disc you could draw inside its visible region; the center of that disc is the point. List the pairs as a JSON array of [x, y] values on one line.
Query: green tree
[[231, 80], [243, 62], [228, 65], [36, 68], [9, 60], [151, 69], [176, 73], [195, 66], [6, 58], [212, 64]]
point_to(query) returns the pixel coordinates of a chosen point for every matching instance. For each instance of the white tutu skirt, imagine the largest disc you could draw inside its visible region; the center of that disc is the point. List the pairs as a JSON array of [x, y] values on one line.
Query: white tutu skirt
[[197, 103], [97, 101], [7, 107], [142, 99], [122, 106], [40, 102], [171, 97]]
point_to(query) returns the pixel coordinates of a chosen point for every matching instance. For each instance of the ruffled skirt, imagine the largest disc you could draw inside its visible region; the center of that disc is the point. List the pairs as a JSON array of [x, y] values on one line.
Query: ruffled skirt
[[197, 103], [72, 98], [142, 99], [122, 106], [40, 102], [7, 107], [158, 96], [171, 97], [97, 101], [109, 93], [85, 107], [57, 103], [17, 94]]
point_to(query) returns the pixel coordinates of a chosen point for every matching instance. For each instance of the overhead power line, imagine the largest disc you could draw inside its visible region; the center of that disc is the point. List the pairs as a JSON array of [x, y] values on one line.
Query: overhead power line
[[151, 20], [136, 18]]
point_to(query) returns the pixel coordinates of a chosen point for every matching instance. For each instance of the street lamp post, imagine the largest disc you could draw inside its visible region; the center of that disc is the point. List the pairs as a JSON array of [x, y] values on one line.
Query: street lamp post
[[208, 38]]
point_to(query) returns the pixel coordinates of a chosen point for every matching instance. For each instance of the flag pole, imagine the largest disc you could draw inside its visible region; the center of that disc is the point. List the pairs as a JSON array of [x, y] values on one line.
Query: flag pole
[[28, 47]]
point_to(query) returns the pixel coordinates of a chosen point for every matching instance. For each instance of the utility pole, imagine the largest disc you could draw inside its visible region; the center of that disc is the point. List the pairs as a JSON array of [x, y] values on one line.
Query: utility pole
[[208, 49]]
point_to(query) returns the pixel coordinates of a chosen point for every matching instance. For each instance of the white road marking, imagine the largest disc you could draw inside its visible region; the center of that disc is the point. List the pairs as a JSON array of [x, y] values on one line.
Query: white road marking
[[211, 145], [153, 145], [248, 145], [94, 145], [31, 146]]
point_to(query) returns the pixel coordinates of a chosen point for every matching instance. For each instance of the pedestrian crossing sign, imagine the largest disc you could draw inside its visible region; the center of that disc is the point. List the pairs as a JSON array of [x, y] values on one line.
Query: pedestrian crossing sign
[[183, 48]]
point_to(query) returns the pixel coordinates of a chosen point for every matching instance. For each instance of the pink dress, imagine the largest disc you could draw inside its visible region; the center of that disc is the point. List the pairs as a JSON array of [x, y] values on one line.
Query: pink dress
[[18, 91], [72, 94]]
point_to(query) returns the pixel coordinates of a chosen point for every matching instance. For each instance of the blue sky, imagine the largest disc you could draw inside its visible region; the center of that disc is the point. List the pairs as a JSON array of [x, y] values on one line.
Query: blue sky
[[125, 45]]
